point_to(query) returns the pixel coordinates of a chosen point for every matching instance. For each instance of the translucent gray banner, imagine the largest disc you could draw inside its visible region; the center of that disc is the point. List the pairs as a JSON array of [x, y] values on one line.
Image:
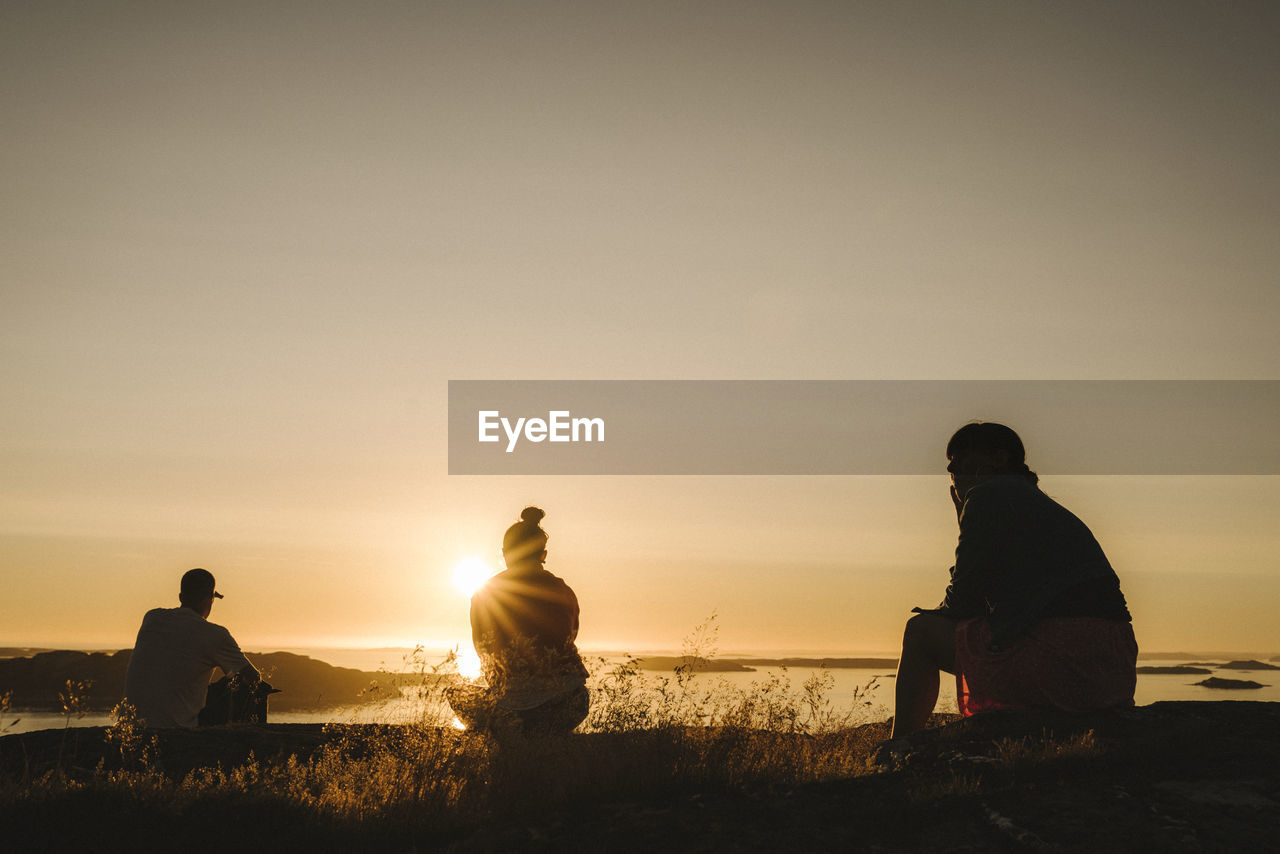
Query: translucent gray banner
[[869, 427]]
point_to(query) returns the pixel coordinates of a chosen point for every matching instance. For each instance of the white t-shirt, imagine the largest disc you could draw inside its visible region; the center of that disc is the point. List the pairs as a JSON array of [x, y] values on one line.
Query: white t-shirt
[[172, 663]]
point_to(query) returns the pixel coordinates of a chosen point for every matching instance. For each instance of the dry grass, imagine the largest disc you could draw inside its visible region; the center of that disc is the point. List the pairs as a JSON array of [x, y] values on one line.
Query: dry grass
[[1035, 750], [429, 781]]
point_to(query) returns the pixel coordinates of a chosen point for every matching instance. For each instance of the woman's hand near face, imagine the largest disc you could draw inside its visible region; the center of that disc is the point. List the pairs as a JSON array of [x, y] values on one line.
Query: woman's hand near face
[[957, 501]]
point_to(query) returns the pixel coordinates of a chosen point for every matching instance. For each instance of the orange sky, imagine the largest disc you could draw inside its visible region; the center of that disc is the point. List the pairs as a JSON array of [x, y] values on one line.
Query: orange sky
[[246, 248]]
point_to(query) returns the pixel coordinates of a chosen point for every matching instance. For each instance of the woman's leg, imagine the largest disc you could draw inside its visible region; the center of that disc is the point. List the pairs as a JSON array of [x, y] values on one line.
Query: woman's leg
[[928, 647]]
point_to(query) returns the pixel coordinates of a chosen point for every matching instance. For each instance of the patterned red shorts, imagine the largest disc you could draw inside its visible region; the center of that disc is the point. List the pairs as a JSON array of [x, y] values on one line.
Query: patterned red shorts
[[1075, 664]]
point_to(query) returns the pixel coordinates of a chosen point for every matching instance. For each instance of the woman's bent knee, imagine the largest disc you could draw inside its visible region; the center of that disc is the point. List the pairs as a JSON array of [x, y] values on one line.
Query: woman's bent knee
[[929, 627]]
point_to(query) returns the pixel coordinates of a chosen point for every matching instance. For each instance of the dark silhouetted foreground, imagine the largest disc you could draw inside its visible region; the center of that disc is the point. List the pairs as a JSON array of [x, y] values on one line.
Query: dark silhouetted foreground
[[1168, 777]]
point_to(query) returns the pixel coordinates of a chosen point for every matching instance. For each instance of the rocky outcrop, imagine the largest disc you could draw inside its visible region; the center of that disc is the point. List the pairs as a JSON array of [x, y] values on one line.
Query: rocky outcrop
[[304, 683], [36, 681]]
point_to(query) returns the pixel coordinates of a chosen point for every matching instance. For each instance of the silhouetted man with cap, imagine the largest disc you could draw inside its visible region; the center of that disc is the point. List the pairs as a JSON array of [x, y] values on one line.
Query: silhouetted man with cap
[[175, 654]]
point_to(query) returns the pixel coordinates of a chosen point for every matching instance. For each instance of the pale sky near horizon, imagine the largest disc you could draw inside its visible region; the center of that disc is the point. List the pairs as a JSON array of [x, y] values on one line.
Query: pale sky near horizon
[[246, 246]]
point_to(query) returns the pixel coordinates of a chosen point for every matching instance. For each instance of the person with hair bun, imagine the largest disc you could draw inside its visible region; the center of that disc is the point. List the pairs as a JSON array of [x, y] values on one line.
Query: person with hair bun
[[524, 622], [1033, 616]]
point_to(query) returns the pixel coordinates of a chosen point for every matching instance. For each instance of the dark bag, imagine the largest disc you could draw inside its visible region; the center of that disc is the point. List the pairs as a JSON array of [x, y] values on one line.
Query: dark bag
[[228, 701]]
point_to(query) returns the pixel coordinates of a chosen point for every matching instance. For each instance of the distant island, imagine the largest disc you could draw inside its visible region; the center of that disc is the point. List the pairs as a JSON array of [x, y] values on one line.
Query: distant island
[[1251, 664], [1183, 669], [749, 665], [1230, 684], [1205, 655], [21, 651], [669, 663], [829, 663]]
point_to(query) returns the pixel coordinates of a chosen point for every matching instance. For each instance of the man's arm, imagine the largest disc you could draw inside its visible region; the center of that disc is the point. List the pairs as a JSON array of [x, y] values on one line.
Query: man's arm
[[234, 663], [977, 557], [248, 676]]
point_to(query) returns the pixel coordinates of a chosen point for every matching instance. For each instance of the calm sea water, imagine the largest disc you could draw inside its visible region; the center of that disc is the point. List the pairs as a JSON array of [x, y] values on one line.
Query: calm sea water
[[873, 689]]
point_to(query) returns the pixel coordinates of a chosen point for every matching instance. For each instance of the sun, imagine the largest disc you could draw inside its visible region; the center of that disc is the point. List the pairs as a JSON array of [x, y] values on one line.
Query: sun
[[470, 575]]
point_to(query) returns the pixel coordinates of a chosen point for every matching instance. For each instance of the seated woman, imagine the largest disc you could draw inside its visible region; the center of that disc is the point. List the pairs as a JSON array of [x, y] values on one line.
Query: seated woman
[[1033, 616], [523, 623]]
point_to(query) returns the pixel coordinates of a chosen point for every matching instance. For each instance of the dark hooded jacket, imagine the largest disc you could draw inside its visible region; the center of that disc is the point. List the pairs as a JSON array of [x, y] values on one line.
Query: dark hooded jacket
[[1022, 556]]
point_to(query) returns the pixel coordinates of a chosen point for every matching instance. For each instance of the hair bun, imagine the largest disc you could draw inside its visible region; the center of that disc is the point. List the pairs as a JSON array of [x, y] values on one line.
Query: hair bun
[[532, 515]]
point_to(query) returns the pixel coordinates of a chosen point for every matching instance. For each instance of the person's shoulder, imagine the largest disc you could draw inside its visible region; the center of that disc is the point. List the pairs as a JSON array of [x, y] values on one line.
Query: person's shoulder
[[513, 582], [1002, 491], [523, 578], [159, 614], [552, 580], [216, 629], [494, 583], [1003, 485], [218, 637], [995, 499]]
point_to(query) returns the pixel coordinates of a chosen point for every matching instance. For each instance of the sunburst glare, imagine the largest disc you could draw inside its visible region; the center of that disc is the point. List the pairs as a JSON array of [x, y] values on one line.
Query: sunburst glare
[[470, 575]]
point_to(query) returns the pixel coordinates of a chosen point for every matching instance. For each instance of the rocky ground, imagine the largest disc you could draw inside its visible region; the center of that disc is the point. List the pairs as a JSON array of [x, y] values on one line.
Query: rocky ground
[[1176, 777], [1170, 777]]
